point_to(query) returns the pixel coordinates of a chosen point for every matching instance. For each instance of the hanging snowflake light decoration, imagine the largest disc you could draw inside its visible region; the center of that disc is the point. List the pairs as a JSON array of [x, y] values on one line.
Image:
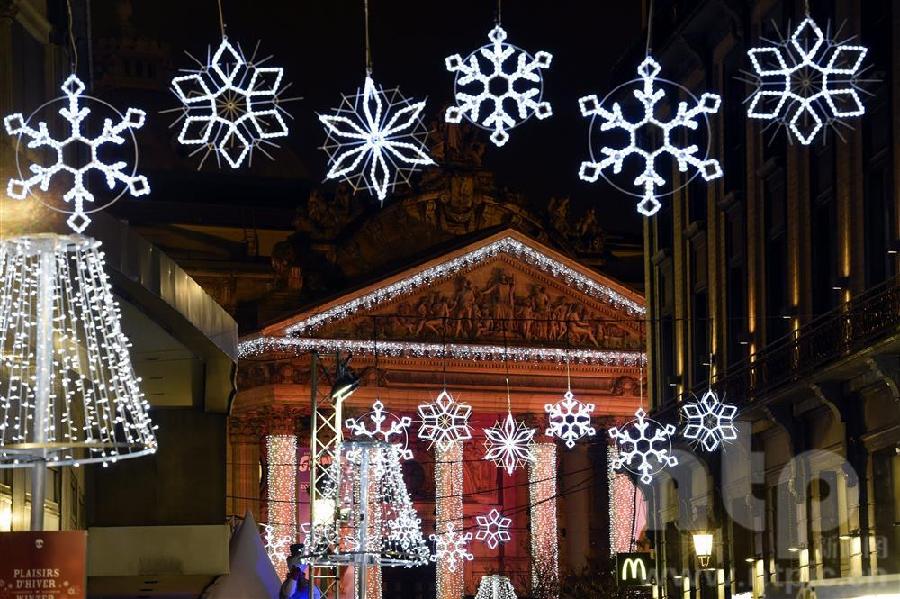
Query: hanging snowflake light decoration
[[277, 546], [644, 446], [709, 421], [231, 105], [569, 419], [396, 434], [498, 86], [495, 587], [445, 421], [509, 444], [376, 139], [806, 82], [452, 548], [647, 129], [75, 113], [493, 529]]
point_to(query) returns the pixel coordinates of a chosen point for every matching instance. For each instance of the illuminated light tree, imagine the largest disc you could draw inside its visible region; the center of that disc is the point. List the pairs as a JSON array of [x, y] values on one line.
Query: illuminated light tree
[[495, 587]]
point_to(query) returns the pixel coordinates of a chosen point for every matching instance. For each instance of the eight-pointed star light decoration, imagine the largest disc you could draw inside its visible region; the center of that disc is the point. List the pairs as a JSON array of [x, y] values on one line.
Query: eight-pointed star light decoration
[[498, 86], [376, 139], [806, 82], [452, 548], [396, 434], [569, 419], [644, 446], [709, 421], [231, 105], [75, 112], [508, 444], [647, 130], [445, 421], [493, 528]]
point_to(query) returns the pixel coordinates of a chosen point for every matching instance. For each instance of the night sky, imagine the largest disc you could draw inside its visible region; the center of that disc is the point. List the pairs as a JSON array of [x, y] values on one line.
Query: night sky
[[320, 45]]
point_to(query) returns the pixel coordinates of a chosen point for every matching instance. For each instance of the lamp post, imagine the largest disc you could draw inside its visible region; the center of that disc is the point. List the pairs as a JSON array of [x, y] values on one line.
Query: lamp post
[[703, 542]]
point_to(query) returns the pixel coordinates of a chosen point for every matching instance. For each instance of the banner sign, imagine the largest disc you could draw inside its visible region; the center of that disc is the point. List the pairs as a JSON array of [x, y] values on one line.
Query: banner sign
[[634, 569], [43, 565]]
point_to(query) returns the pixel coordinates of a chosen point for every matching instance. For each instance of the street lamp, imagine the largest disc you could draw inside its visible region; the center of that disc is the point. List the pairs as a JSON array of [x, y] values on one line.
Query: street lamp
[[703, 542]]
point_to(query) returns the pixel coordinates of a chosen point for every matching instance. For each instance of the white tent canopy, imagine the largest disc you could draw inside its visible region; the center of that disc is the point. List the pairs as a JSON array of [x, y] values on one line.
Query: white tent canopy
[[251, 574]]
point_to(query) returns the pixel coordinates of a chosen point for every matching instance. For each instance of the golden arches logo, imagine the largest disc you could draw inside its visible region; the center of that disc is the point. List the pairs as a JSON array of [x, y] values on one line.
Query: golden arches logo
[[635, 565]]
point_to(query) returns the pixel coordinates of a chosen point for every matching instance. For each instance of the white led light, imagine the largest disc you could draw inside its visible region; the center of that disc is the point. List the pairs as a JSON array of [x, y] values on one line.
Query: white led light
[[451, 548], [806, 82], [278, 548], [544, 532], [445, 421], [495, 587], [448, 491], [569, 419], [605, 119], [396, 434], [517, 75], [281, 493], [509, 444], [709, 421], [644, 446], [376, 139], [230, 106], [75, 113], [493, 529]]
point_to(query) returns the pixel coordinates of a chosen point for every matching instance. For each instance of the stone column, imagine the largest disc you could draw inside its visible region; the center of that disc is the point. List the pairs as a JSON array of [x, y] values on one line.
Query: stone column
[[243, 470], [576, 469], [543, 523], [449, 517]]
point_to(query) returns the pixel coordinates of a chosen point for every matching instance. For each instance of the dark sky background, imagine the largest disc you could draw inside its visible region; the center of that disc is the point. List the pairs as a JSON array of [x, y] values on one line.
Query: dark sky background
[[320, 45]]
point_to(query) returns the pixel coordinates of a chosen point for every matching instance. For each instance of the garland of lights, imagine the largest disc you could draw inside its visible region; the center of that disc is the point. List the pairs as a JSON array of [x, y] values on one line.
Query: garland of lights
[[444, 421], [281, 493], [796, 87], [624, 501], [75, 112], [521, 85], [376, 139], [493, 529], [398, 428], [449, 269], [68, 389], [508, 444], [495, 587], [231, 105], [650, 93], [544, 541], [448, 489], [569, 419], [643, 446], [710, 422]]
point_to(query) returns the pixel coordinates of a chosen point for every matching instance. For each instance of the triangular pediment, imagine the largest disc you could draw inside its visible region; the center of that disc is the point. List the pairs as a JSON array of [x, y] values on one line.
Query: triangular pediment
[[506, 288]]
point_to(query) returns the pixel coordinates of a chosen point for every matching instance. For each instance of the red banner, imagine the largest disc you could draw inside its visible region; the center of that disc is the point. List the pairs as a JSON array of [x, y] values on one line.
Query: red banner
[[43, 565]]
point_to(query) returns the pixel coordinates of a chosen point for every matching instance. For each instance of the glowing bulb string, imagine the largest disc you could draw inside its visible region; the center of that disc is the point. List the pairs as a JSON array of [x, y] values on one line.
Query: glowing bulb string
[[221, 19]]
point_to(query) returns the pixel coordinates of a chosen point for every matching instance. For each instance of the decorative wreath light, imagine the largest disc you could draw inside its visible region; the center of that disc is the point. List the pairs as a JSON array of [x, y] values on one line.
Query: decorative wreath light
[[445, 421], [806, 82], [396, 434], [509, 444], [644, 446], [493, 529], [231, 105], [75, 111], [376, 139], [495, 587], [651, 92], [710, 422], [514, 70], [569, 419], [68, 391]]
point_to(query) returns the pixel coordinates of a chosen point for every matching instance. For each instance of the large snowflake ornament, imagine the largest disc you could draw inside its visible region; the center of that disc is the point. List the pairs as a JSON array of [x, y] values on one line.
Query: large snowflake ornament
[[569, 419], [452, 548], [493, 529], [445, 421], [63, 152], [277, 546], [231, 105], [376, 139], [509, 444], [806, 82], [644, 446], [396, 434], [498, 86], [709, 421], [661, 136]]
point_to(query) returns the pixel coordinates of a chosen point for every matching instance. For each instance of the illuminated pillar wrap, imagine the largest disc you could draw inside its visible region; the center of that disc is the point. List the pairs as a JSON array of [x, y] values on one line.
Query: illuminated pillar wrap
[[281, 456], [544, 543], [448, 487]]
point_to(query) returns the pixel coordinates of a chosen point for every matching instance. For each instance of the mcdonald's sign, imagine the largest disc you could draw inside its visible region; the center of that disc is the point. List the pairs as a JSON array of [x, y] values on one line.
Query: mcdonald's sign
[[634, 569]]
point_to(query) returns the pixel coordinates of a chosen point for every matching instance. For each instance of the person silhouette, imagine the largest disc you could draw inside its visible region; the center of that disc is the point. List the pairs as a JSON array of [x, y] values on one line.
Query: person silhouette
[[296, 585]]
